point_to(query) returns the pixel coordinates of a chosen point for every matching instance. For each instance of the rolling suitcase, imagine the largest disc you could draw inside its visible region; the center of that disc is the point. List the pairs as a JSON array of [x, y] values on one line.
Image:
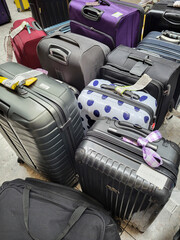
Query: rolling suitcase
[[100, 99], [111, 168], [41, 123], [166, 44], [125, 65], [72, 58], [5, 16], [22, 5], [109, 22], [25, 35], [163, 16], [49, 13], [34, 209], [62, 27]]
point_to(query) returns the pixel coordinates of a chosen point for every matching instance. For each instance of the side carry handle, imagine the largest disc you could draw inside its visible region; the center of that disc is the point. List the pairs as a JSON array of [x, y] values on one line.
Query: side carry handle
[[65, 38], [4, 108], [172, 18], [59, 54], [92, 13], [36, 26], [168, 39]]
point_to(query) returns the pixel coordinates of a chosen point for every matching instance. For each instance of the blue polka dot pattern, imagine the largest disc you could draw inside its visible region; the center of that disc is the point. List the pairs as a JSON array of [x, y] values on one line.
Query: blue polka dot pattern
[[146, 119], [107, 109], [115, 118], [90, 102], [95, 83], [126, 115], [136, 109], [120, 103], [104, 97], [143, 98], [96, 113], [89, 92], [79, 105]]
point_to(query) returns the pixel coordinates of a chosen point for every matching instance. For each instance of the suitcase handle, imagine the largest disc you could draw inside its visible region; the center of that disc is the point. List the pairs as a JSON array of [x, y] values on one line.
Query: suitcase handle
[[65, 38], [172, 18], [59, 54], [3, 109], [36, 26], [168, 39], [92, 13]]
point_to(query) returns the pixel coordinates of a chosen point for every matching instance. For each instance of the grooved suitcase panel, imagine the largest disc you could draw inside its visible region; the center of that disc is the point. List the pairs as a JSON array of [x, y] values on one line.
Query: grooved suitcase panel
[[108, 173], [37, 135]]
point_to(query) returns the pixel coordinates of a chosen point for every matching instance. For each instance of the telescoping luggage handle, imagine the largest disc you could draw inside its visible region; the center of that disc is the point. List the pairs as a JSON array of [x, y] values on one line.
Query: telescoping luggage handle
[[76, 215]]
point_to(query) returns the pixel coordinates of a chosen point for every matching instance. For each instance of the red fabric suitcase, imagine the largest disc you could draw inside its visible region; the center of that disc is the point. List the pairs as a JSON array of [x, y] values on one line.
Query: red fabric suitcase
[[25, 42]]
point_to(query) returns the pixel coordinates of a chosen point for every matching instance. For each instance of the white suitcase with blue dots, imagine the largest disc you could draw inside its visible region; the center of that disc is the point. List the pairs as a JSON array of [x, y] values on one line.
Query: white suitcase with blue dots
[[99, 99]]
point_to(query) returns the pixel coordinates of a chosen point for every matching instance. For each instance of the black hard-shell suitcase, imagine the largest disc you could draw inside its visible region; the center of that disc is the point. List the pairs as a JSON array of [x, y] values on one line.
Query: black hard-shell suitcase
[[5, 16], [42, 124], [72, 58], [126, 65], [49, 13], [111, 169], [163, 16], [32, 209]]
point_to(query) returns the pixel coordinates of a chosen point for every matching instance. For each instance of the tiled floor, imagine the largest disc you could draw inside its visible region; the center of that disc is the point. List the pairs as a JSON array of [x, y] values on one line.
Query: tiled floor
[[168, 221]]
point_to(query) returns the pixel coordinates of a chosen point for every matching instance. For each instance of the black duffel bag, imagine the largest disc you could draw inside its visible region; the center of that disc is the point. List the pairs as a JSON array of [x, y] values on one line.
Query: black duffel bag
[[38, 210]]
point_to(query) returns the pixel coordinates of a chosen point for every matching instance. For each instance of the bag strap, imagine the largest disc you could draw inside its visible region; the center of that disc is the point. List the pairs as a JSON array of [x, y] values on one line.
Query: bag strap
[[76, 215]]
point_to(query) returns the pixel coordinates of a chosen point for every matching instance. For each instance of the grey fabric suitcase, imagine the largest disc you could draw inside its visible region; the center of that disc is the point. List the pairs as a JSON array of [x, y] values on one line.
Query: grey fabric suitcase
[[114, 172], [42, 124], [72, 58]]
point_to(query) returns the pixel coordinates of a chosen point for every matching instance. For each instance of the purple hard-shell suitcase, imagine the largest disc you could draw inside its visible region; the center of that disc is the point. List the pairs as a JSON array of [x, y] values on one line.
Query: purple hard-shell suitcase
[[111, 22], [4, 13]]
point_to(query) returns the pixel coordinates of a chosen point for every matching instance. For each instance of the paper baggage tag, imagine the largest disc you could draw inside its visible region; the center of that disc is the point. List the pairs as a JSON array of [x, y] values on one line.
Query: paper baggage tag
[[176, 4], [92, 4], [117, 14], [139, 68], [152, 176]]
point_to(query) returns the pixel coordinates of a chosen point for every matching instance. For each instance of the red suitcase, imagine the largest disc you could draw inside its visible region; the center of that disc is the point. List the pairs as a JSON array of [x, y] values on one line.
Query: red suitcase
[[25, 40]]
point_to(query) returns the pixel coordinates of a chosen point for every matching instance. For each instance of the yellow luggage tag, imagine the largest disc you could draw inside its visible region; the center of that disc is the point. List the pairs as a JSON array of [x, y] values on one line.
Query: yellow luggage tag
[[12, 85]]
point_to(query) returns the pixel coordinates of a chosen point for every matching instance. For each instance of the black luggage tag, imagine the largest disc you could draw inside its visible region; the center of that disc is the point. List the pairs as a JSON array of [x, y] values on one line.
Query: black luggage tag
[[139, 68]]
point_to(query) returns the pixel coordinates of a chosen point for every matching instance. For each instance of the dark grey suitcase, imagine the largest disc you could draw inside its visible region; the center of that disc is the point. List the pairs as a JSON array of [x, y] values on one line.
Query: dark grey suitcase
[[72, 58], [42, 124], [114, 173]]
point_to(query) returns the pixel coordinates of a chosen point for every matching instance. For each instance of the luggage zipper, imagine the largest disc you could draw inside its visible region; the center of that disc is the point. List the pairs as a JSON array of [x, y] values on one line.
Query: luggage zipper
[[158, 84], [95, 30], [107, 139], [152, 47], [144, 107]]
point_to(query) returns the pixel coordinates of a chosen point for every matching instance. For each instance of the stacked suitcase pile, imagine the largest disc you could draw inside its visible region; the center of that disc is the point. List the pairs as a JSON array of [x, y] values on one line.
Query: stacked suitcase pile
[[94, 118]]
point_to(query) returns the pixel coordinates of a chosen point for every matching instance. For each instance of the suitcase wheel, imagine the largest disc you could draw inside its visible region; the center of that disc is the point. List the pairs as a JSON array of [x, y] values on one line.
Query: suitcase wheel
[[20, 161]]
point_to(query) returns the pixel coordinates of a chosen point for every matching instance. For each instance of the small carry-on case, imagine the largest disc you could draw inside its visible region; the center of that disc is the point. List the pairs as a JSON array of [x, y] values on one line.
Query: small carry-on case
[[62, 27], [49, 13], [72, 58], [22, 5], [33, 209], [42, 123], [5, 16], [163, 16], [111, 168], [109, 22], [100, 99], [25, 35], [126, 65], [165, 44]]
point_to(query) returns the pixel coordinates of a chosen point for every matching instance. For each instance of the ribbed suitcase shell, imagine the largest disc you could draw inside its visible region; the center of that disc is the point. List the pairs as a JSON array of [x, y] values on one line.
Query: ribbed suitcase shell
[[162, 16], [113, 27], [164, 73], [5, 16], [42, 124], [49, 12], [72, 58], [107, 169]]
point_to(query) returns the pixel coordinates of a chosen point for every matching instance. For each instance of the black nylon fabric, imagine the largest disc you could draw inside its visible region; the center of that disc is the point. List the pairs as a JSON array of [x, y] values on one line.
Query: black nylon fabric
[[51, 208]]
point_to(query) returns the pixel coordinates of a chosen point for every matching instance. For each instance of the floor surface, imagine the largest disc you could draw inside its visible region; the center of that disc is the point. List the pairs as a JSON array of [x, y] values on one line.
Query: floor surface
[[167, 222]]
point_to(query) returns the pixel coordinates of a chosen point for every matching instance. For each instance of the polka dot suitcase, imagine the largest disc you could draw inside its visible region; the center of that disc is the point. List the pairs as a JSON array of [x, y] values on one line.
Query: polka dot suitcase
[[96, 101]]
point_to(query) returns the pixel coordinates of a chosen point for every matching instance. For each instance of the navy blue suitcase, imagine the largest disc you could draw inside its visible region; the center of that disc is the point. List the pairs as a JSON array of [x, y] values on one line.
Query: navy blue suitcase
[[5, 16], [167, 45], [62, 27]]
